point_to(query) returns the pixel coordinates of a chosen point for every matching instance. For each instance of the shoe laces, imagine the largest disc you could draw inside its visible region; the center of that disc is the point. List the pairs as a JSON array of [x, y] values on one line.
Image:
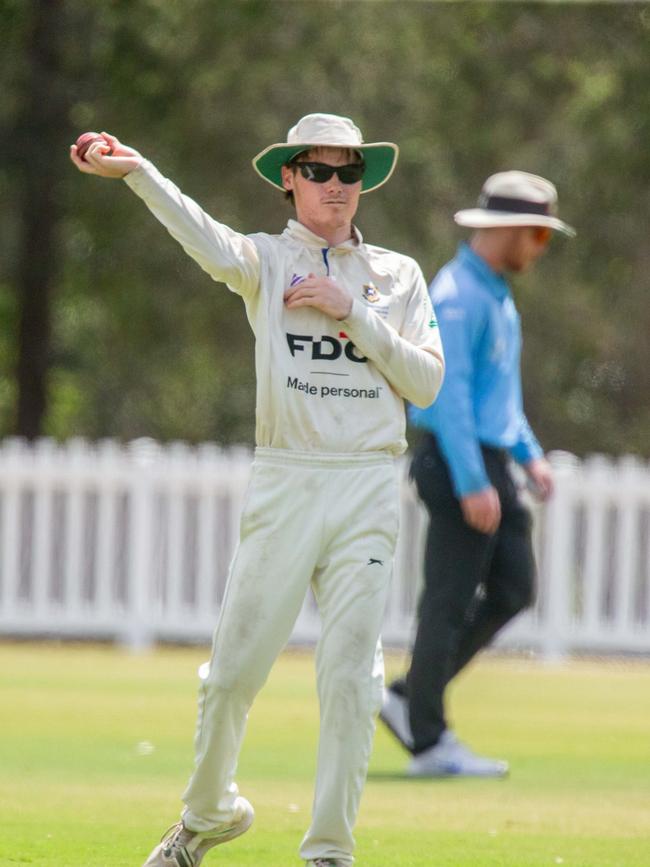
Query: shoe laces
[[173, 837], [324, 862]]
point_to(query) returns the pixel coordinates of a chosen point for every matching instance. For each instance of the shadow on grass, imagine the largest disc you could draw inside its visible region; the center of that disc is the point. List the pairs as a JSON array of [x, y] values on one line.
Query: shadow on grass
[[402, 776]]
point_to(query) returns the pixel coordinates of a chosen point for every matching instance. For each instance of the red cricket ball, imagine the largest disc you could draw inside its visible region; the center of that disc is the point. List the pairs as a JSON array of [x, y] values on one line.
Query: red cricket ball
[[86, 139]]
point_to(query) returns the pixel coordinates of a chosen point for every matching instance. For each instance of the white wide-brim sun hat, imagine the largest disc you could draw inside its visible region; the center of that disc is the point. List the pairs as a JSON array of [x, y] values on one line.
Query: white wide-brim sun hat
[[515, 199], [328, 130]]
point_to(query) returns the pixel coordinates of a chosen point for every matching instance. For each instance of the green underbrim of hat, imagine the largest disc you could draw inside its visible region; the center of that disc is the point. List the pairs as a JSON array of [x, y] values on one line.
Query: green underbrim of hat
[[380, 160]]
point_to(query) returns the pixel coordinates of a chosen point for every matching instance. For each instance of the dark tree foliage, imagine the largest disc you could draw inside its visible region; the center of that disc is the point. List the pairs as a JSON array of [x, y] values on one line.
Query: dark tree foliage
[[108, 329]]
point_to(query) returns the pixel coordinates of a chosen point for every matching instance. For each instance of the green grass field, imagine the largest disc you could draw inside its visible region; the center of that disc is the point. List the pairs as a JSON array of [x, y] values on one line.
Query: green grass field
[[95, 748]]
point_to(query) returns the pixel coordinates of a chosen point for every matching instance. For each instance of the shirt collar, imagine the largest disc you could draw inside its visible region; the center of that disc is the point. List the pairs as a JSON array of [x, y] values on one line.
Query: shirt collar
[[496, 283], [295, 231]]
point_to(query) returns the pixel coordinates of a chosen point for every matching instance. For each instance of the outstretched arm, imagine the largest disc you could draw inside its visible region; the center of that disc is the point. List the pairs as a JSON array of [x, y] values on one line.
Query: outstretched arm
[[226, 255]]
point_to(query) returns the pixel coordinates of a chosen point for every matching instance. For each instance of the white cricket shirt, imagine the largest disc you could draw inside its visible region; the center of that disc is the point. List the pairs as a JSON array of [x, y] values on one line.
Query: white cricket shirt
[[322, 385]]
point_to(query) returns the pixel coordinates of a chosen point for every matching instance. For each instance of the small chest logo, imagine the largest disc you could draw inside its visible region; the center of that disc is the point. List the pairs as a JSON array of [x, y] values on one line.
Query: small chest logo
[[371, 293]]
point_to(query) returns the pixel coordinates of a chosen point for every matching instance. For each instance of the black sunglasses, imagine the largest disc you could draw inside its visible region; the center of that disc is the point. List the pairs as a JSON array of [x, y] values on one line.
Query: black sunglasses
[[319, 173]]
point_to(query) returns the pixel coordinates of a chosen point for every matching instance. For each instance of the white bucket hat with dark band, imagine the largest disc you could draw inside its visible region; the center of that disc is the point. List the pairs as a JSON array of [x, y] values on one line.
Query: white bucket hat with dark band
[[328, 130], [515, 199]]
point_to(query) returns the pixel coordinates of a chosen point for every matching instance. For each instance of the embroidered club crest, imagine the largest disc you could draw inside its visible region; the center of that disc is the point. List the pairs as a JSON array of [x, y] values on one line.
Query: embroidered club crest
[[370, 293]]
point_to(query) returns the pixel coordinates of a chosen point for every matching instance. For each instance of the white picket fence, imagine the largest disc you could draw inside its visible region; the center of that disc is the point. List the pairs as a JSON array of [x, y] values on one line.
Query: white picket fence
[[133, 544]]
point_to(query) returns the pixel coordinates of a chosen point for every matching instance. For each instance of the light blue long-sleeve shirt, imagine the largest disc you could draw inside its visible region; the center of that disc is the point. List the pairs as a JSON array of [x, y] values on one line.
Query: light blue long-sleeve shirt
[[480, 401]]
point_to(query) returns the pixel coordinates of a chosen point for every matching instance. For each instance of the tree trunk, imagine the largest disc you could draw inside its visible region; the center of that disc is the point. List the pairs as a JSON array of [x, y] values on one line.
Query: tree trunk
[[40, 138]]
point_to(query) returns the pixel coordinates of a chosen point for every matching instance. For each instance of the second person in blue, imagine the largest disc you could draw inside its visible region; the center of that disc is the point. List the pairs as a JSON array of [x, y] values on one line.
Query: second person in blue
[[479, 569]]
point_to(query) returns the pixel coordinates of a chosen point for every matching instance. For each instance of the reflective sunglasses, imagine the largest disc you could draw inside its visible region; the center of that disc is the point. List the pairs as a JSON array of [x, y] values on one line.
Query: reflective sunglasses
[[542, 234], [319, 173]]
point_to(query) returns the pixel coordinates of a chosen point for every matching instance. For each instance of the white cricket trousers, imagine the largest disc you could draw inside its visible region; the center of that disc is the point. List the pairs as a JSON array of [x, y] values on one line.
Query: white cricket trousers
[[330, 521]]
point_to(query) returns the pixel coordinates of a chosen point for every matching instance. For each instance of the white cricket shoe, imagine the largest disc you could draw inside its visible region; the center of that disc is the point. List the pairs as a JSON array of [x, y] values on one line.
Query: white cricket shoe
[[181, 847], [394, 714], [451, 758]]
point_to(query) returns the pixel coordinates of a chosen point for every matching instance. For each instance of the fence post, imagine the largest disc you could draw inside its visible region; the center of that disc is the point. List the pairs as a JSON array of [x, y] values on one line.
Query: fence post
[[558, 559], [138, 632], [14, 455]]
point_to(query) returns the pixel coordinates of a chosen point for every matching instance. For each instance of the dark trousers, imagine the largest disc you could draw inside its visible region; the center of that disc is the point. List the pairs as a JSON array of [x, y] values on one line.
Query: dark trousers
[[473, 584]]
